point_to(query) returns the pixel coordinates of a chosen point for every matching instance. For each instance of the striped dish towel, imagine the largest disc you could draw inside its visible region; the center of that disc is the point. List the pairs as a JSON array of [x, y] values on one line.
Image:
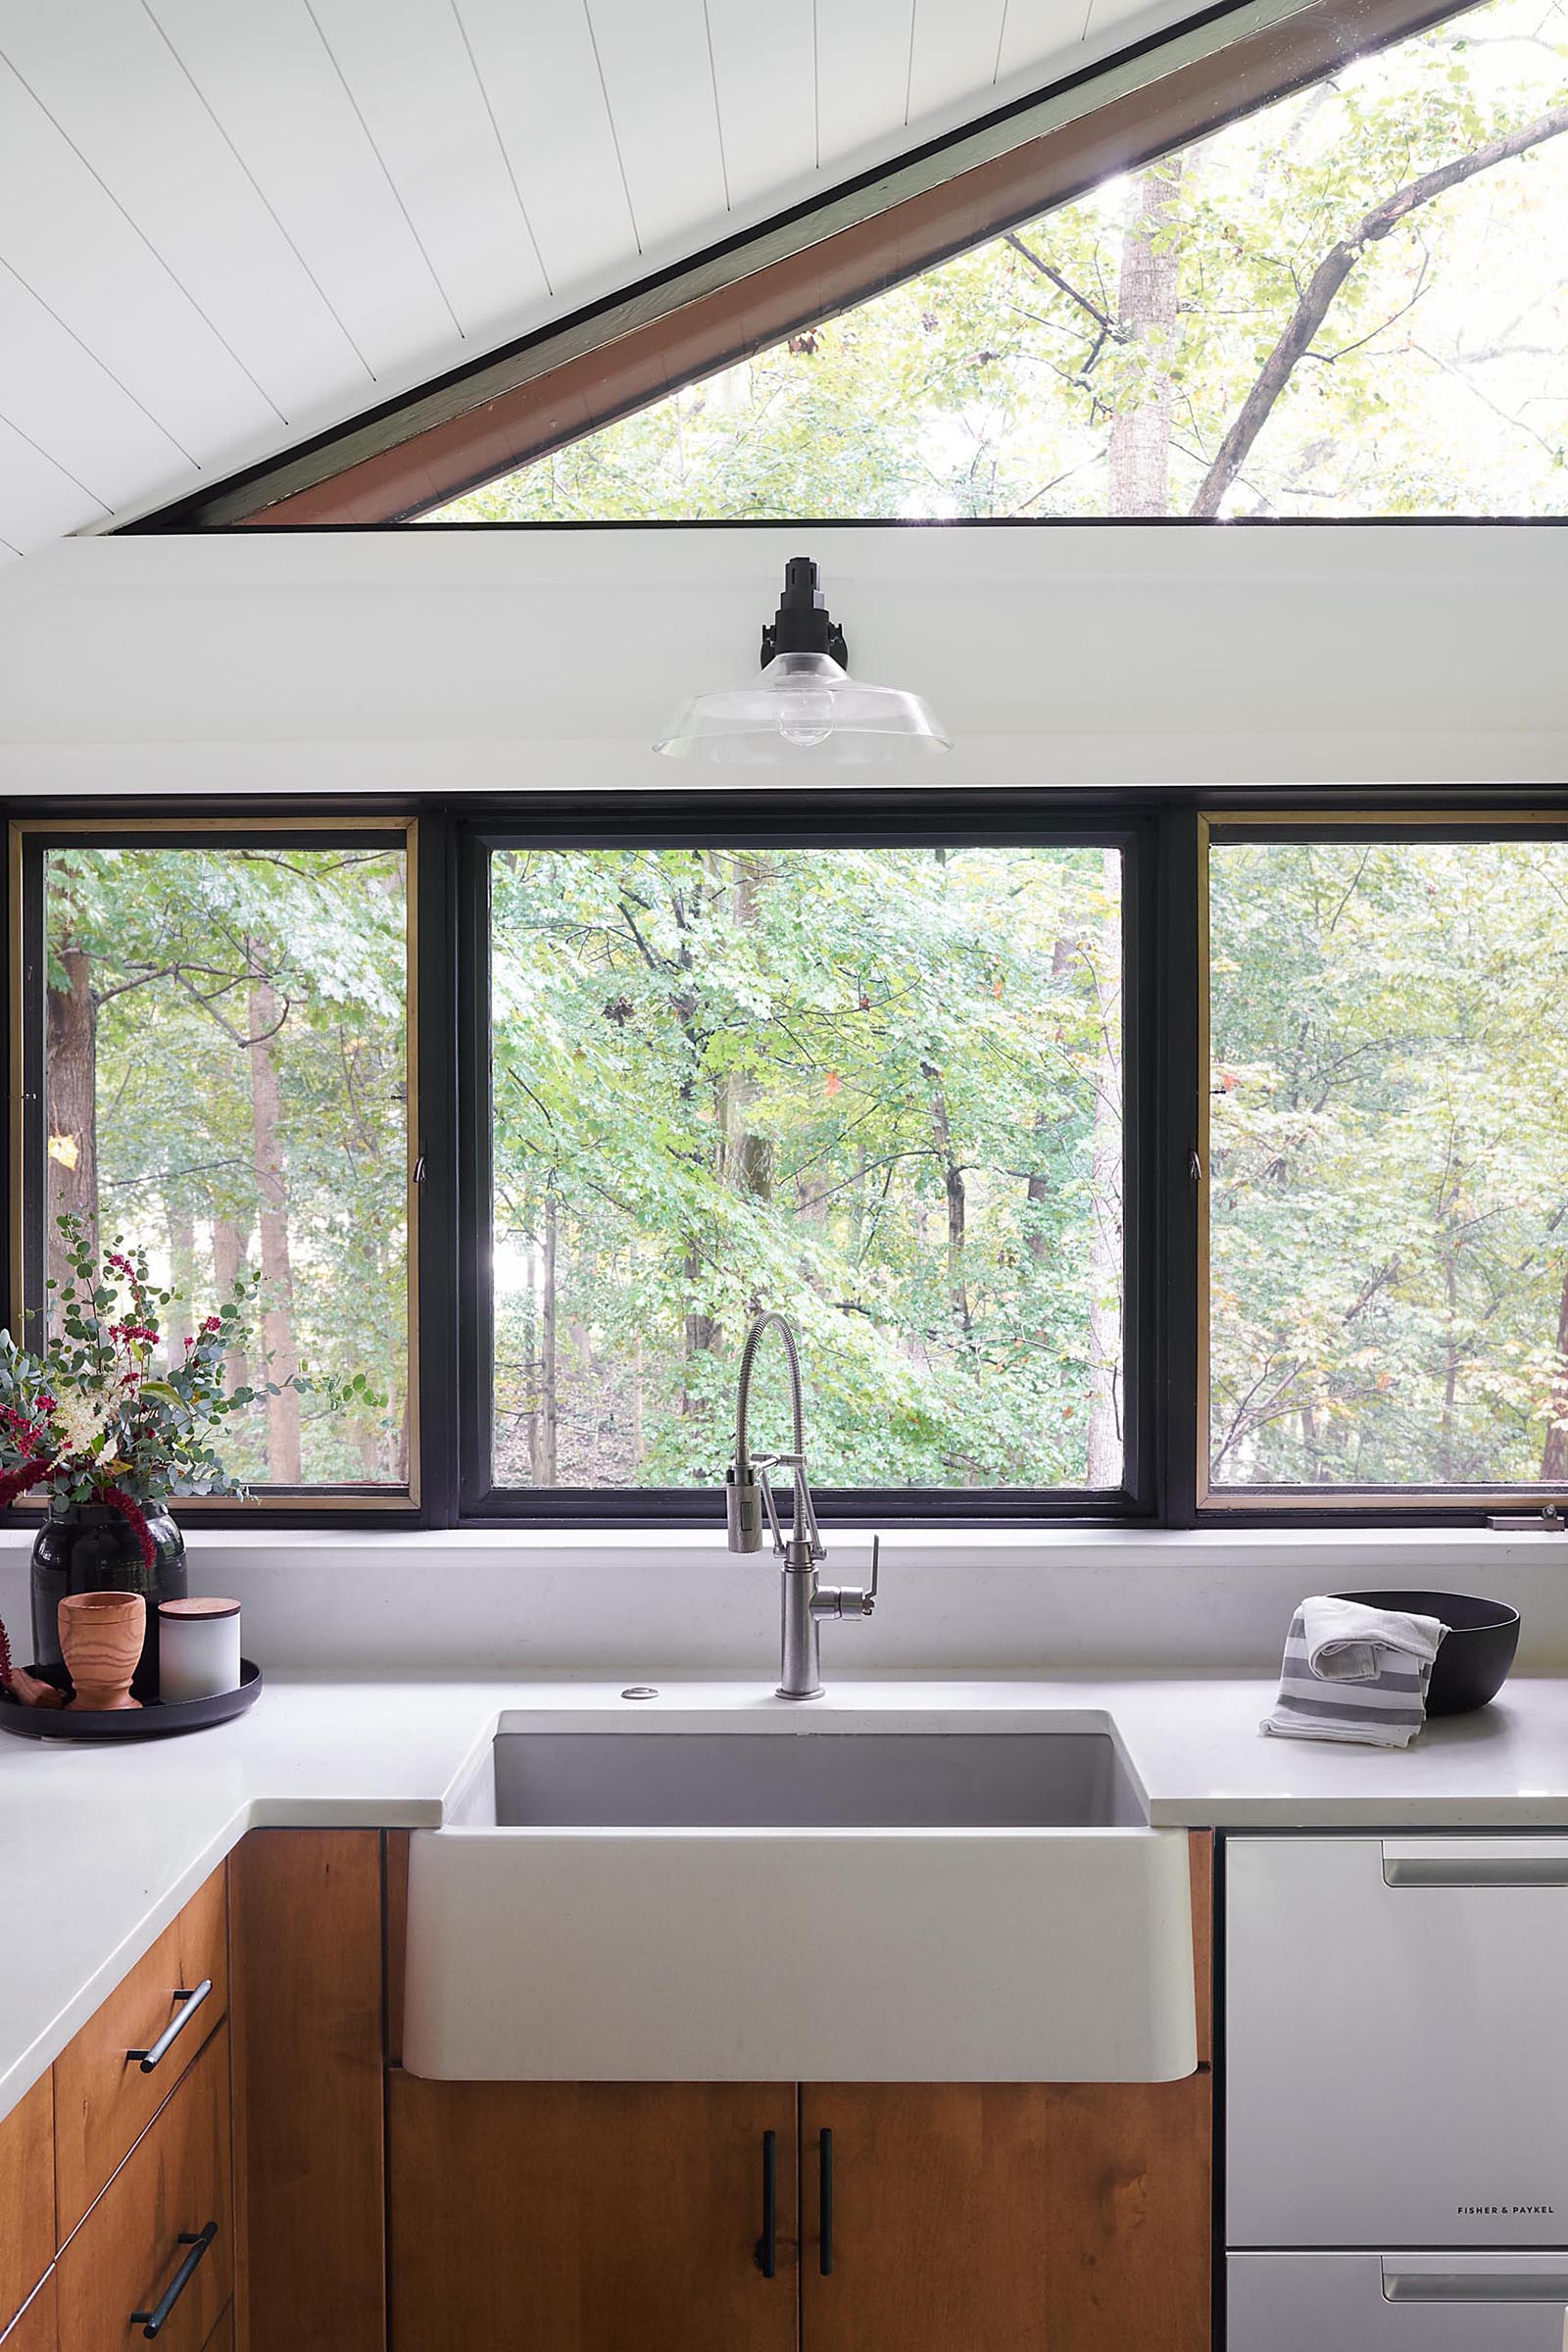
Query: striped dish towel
[[1354, 1673]]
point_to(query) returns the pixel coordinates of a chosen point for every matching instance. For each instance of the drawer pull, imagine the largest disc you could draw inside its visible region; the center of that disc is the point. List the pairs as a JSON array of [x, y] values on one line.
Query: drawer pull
[[190, 2002], [151, 2323], [1501, 2280], [1475, 1862], [825, 2204]]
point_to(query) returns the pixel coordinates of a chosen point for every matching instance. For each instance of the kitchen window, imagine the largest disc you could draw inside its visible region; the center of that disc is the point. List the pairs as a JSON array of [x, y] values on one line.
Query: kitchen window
[[874, 1075], [214, 1026], [1160, 1158], [1387, 1192]]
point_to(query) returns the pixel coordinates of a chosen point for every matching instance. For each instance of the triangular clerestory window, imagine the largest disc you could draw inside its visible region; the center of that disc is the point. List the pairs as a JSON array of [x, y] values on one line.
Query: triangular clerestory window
[[1350, 303]]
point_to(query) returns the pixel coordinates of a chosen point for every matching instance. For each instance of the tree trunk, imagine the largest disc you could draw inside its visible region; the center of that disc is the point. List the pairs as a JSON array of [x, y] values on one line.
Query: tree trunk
[[1151, 263], [745, 1161], [180, 1323], [1036, 1191], [957, 1203], [1105, 1451], [1554, 1450], [271, 1185], [229, 1244], [547, 1418], [1451, 1368], [72, 1047], [638, 1438]]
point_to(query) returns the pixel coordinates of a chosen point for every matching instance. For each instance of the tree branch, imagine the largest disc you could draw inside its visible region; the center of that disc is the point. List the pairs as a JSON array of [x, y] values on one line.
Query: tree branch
[[1330, 276], [1106, 324]]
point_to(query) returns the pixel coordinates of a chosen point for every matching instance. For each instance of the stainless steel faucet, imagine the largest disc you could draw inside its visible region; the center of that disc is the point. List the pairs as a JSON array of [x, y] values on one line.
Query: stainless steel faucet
[[748, 1494]]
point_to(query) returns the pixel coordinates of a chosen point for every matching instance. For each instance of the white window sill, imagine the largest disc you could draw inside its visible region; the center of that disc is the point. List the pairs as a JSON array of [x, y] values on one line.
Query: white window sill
[[981, 1546]]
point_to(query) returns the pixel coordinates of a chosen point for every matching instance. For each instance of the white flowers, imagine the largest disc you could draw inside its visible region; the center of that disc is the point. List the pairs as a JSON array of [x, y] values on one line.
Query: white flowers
[[79, 1419]]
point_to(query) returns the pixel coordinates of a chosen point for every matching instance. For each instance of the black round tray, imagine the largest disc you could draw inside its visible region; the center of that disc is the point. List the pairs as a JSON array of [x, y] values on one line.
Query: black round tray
[[154, 1721]]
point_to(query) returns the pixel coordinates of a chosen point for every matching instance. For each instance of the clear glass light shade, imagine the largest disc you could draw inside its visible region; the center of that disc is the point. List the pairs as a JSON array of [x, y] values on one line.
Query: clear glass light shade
[[804, 707]]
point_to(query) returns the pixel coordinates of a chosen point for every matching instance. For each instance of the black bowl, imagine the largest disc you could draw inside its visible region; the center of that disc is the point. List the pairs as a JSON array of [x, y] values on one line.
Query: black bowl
[[1473, 1662]]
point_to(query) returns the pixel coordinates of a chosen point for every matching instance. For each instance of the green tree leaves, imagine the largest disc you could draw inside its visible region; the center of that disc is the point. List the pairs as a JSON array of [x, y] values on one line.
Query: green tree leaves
[[858, 1085], [1390, 1162]]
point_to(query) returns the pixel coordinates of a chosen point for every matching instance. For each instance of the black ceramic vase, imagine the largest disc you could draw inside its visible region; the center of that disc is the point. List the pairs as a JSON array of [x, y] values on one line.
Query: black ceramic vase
[[92, 1548]]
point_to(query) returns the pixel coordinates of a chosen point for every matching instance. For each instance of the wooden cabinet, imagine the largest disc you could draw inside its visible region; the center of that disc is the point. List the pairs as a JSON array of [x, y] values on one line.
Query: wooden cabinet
[[997, 2215], [592, 2217], [27, 2198], [310, 2088], [586, 2217], [104, 2096], [163, 2230]]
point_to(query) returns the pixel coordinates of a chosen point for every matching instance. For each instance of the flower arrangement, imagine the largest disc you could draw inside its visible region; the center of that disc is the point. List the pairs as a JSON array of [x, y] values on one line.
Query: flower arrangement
[[93, 1419]]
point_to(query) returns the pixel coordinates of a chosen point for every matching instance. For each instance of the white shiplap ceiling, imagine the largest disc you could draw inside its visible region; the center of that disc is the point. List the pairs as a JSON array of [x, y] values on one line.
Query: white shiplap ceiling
[[226, 225]]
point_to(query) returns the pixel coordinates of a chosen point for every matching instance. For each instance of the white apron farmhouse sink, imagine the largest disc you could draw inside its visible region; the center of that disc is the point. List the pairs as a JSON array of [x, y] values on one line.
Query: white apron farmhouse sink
[[701, 1897]]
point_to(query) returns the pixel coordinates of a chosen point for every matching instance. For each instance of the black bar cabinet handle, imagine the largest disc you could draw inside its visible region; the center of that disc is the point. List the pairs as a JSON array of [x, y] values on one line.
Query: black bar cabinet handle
[[189, 2002], [825, 2202], [765, 2255], [151, 2322]]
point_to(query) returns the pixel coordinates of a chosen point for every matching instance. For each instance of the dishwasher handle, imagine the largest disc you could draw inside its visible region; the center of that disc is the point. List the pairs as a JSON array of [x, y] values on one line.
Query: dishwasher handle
[[1475, 2279], [1475, 1861]]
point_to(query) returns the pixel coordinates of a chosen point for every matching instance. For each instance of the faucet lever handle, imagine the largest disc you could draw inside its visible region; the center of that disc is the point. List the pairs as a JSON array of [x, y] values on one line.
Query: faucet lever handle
[[850, 1601]]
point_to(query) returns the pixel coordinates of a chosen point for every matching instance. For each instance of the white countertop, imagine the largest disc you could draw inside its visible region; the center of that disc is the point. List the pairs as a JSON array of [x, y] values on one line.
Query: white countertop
[[101, 1847]]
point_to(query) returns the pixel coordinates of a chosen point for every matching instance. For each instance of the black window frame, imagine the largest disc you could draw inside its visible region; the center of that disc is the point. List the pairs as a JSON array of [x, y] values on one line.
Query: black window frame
[[1163, 832], [806, 820]]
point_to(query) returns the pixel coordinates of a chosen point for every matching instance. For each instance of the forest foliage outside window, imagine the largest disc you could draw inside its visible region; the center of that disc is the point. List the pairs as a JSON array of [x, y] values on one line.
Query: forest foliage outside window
[[879, 1089], [1389, 1177], [1350, 303], [224, 1058]]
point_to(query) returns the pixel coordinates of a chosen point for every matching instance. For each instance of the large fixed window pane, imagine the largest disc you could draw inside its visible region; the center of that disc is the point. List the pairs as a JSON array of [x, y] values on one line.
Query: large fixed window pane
[[223, 1055], [879, 1089], [1388, 1180], [1348, 302]]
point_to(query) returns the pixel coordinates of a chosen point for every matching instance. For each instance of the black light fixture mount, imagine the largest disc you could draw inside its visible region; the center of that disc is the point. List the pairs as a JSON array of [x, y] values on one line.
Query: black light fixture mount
[[802, 624]]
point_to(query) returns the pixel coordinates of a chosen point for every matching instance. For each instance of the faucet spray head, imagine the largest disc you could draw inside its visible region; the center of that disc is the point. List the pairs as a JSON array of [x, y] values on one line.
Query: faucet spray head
[[743, 1508]]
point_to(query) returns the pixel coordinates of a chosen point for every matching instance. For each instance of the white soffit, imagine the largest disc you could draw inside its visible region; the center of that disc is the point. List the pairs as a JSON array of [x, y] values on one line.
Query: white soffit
[[547, 660], [228, 225]]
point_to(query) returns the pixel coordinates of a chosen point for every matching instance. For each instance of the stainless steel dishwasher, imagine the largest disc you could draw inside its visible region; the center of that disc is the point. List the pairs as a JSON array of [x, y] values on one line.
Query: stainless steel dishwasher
[[1397, 2093]]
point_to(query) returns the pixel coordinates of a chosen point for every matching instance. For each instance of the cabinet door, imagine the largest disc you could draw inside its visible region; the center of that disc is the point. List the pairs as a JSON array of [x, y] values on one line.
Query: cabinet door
[[307, 1952], [592, 2217], [994, 2216]]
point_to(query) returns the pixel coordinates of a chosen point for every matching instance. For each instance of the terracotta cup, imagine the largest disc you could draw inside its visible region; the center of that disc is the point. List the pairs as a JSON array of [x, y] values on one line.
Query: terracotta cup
[[101, 1635]]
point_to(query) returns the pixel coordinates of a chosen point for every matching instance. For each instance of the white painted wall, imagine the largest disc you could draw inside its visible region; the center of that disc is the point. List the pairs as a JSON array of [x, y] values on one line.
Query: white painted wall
[[675, 1602], [496, 660]]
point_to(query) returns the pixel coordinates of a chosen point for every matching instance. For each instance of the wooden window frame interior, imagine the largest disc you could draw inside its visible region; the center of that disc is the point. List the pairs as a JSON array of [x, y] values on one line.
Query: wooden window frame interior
[[808, 820], [32, 835], [1382, 819]]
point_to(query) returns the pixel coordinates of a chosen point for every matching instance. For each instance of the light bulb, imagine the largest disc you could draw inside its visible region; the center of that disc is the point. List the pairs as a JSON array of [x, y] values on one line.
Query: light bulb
[[805, 717]]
